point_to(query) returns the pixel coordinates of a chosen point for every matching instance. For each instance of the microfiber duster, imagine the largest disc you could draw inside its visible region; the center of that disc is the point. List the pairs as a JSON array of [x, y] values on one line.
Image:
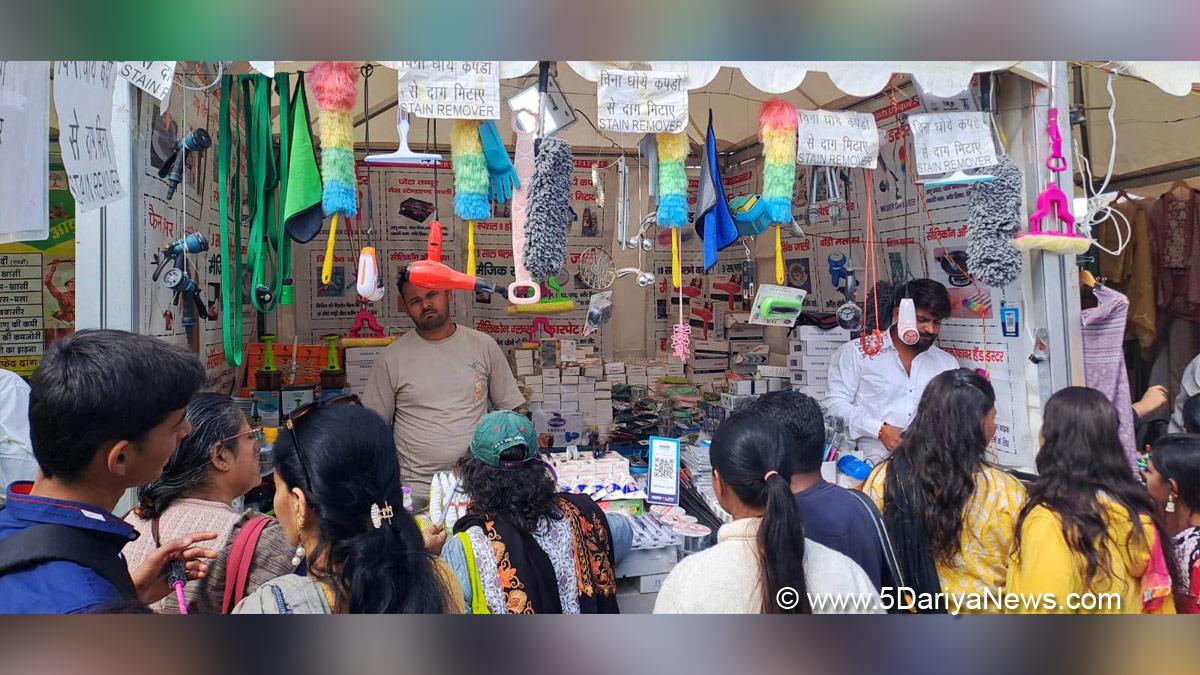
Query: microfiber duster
[[994, 216], [334, 85], [547, 212], [470, 171], [672, 180]]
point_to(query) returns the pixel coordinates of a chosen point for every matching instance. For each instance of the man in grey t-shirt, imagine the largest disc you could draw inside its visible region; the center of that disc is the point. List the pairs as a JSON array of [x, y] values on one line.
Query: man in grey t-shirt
[[434, 384]]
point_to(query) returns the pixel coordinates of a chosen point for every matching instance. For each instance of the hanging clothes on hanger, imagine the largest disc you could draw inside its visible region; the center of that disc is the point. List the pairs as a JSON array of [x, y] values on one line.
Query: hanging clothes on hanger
[[1104, 360], [1132, 272], [1173, 224]]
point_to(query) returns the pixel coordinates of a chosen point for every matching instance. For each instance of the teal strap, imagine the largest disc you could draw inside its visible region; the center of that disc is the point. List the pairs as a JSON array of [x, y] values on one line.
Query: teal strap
[[283, 243]]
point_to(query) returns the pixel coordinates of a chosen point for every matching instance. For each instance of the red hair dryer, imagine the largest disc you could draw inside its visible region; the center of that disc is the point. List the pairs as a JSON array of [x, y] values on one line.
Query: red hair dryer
[[431, 274]]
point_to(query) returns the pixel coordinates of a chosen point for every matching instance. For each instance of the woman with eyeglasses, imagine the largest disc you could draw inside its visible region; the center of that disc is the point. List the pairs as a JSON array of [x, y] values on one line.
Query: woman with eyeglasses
[[214, 465], [339, 499]]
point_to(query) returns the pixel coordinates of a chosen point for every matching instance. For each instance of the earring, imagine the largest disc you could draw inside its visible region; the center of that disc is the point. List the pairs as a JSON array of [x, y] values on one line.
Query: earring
[[1170, 504], [299, 557]]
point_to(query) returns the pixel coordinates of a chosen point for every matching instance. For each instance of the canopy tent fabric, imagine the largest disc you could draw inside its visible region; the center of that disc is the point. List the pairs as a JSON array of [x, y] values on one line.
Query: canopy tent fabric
[[733, 89], [1157, 122]]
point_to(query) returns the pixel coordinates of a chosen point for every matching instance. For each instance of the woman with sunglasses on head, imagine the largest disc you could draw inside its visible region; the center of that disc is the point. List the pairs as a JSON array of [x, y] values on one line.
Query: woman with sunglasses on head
[[1089, 525], [214, 465], [339, 499], [523, 548], [950, 514], [1173, 479]]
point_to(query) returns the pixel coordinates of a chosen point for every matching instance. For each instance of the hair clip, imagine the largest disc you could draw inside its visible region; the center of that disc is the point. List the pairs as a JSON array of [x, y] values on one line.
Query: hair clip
[[379, 515]]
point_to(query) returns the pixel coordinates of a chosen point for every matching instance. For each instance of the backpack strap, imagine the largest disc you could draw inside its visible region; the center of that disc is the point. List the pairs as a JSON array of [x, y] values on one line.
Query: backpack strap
[[48, 542], [237, 565], [885, 542]]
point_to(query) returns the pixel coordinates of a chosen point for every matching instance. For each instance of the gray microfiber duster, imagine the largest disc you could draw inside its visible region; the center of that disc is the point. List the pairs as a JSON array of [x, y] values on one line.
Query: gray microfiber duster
[[994, 217], [547, 211]]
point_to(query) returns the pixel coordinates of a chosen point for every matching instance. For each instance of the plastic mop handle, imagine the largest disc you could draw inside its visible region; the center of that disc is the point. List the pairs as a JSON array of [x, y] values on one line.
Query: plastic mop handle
[[523, 163], [676, 275], [1055, 162], [177, 578], [471, 247], [327, 266], [778, 256]]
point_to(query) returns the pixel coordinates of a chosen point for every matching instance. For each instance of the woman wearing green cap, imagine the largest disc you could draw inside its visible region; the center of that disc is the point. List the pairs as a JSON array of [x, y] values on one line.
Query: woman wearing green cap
[[522, 547]]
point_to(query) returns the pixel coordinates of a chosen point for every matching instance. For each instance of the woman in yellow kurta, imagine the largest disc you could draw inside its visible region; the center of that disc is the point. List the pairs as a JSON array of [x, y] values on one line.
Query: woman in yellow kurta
[[951, 516], [1089, 527]]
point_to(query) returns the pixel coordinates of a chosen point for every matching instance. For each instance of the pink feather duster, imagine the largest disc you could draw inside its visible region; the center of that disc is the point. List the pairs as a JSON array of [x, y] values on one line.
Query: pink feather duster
[[335, 85]]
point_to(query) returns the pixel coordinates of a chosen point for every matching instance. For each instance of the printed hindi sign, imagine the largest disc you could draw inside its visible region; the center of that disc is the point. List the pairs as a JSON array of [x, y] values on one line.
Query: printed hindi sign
[[152, 77], [450, 89], [83, 93], [848, 139], [952, 141], [24, 150], [641, 102]]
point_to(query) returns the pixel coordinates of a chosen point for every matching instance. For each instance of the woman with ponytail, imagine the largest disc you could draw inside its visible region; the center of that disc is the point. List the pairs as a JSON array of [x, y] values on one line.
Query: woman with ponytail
[[762, 563], [950, 515], [1090, 526], [214, 465], [339, 499]]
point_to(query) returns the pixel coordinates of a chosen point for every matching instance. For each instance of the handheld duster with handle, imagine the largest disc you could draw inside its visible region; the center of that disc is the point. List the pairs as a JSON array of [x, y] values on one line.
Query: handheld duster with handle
[[672, 213], [547, 211], [777, 123], [470, 180], [335, 86]]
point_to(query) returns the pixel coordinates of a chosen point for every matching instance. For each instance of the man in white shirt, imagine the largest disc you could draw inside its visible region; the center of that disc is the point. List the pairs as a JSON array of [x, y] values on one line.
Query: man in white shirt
[[877, 395], [434, 384], [16, 451]]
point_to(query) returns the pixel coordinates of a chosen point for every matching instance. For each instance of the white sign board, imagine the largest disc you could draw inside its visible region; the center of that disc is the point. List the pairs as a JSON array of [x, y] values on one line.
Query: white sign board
[[153, 77], [24, 150], [952, 141], [451, 89], [83, 94], [641, 102], [828, 138]]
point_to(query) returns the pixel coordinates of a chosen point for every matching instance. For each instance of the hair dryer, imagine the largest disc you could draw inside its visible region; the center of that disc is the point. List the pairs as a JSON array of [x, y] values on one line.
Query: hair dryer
[[196, 141], [432, 274]]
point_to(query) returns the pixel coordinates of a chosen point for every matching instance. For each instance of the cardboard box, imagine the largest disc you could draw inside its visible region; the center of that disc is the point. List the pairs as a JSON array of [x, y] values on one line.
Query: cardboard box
[[604, 385], [816, 362], [570, 380], [569, 406], [810, 377], [557, 429], [777, 384], [551, 401], [533, 379], [740, 388], [570, 396], [816, 334], [594, 372], [615, 368], [573, 371], [773, 371], [523, 371], [552, 388], [553, 373]]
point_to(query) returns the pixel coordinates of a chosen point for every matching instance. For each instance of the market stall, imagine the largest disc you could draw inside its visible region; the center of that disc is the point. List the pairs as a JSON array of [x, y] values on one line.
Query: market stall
[[716, 231]]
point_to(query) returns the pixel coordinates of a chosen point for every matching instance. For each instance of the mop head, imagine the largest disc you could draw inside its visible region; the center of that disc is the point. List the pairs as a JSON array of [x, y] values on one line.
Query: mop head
[[672, 180], [547, 210], [1053, 242], [994, 216], [470, 171], [777, 122], [551, 306], [334, 84]]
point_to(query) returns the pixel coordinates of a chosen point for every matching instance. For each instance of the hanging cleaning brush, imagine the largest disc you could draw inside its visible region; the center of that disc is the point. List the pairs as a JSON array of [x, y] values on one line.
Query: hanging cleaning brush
[[777, 122], [470, 180], [994, 216], [673, 214], [547, 212], [335, 88]]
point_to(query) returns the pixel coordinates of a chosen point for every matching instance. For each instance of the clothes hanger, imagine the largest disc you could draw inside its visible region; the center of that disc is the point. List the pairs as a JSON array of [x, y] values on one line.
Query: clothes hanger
[[1176, 186]]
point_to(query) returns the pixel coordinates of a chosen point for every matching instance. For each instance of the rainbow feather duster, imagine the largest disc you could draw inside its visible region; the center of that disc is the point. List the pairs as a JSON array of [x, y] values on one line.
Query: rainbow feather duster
[[672, 180], [470, 171], [777, 122], [335, 86]]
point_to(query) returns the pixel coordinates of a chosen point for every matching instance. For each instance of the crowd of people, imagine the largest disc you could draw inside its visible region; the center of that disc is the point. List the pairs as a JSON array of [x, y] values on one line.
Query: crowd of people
[[111, 411]]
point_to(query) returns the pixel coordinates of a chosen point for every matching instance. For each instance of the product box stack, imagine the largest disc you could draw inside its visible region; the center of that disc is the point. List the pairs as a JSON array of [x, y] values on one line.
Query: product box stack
[[810, 352], [708, 363], [567, 399]]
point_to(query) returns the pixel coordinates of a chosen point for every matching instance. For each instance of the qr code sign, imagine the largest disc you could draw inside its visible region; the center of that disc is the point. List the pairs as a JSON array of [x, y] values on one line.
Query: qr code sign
[[664, 466]]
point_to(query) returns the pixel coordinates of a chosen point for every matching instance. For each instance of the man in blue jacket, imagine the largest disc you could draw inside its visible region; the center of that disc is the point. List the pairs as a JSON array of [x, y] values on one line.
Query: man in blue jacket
[[106, 410]]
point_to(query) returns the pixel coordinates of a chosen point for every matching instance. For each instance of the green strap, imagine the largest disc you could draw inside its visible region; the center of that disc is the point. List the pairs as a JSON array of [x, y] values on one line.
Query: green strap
[[478, 599], [261, 160], [283, 243], [231, 265]]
